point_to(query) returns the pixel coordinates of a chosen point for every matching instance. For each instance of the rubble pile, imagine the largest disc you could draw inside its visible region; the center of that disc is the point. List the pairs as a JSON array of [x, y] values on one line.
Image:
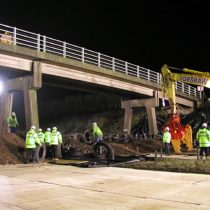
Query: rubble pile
[[12, 149]]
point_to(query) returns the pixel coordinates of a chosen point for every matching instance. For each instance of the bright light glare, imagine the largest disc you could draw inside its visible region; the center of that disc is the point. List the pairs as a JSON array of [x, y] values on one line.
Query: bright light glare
[[163, 102], [1, 87], [208, 84]]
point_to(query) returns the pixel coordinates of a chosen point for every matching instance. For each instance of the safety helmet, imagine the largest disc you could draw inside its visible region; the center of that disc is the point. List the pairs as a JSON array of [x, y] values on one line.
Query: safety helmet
[[167, 128], [13, 114], [33, 127], [94, 124], [48, 129], [40, 130], [54, 128], [204, 125]]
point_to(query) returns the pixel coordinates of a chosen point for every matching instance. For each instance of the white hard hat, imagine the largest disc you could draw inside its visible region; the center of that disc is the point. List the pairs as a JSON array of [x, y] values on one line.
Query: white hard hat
[[204, 125], [94, 124], [167, 128], [54, 128], [33, 127], [48, 129], [13, 114], [40, 130]]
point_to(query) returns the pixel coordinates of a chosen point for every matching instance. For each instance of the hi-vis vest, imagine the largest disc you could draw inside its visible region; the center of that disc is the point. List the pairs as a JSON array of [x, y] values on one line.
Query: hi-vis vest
[[41, 137], [32, 139], [55, 138], [203, 136], [47, 136], [97, 132], [166, 137]]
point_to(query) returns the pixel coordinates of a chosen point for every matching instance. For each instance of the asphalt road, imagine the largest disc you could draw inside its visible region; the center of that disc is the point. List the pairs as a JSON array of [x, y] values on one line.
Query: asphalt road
[[52, 187]]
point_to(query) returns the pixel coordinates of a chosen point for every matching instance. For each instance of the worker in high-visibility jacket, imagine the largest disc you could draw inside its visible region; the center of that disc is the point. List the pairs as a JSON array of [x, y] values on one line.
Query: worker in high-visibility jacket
[[31, 143], [41, 135], [47, 137], [12, 122], [97, 133], [167, 140], [56, 138], [203, 138]]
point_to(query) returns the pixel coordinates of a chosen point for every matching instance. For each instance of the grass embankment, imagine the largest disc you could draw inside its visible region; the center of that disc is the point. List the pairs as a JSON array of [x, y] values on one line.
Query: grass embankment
[[172, 165]]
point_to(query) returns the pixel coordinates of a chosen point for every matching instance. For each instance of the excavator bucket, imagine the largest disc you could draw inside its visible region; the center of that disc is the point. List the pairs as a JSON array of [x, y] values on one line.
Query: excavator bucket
[[188, 137], [176, 145]]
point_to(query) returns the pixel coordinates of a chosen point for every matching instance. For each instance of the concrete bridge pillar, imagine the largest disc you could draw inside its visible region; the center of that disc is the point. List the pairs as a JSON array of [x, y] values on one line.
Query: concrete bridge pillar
[[29, 86], [150, 105], [127, 118], [31, 108], [6, 100]]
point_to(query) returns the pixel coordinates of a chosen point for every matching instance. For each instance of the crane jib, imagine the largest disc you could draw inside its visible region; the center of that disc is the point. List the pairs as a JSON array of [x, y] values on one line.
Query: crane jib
[[194, 80]]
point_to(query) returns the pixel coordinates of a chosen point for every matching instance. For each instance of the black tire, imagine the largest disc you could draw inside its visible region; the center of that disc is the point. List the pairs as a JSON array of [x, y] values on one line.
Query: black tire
[[103, 151], [41, 153], [88, 137]]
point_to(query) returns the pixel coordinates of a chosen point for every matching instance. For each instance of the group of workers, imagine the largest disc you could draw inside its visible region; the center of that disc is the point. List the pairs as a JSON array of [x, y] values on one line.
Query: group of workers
[[51, 138], [33, 138], [202, 140]]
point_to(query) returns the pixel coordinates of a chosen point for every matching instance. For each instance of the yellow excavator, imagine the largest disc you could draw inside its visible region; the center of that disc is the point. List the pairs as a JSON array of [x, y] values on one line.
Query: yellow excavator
[[179, 133]]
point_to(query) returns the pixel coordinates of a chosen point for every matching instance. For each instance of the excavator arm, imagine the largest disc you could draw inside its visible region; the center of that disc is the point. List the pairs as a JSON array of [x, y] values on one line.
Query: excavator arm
[[180, 133]]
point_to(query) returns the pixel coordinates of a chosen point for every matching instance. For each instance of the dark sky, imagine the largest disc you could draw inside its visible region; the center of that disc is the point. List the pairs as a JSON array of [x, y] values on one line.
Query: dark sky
[[147, 33]]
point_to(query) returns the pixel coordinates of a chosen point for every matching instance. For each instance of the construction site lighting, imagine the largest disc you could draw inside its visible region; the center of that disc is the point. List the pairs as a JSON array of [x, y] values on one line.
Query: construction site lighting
[[1, 87]]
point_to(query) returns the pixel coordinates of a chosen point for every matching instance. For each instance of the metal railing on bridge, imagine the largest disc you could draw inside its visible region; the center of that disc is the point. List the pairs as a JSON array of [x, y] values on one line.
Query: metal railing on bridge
[[46, 44]]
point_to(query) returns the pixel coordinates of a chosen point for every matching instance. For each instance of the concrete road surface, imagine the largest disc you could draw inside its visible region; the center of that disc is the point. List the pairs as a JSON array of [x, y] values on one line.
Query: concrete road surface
[[67, 187]]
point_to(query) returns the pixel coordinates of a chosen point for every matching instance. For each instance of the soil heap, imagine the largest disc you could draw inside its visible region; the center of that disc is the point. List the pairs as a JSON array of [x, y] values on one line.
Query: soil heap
[[12, 149]]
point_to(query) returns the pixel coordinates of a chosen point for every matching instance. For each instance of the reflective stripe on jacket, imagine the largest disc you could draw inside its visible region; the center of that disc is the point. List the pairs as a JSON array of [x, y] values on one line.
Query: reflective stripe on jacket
[[32, 139], [56, 138], [166, 137], [203, 136]]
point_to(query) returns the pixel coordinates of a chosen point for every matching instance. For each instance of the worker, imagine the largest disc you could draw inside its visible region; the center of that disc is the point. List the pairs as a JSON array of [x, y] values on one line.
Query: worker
[[47, 136], [12, 122], [203, 136], [32, 141], [6, 38], [41, 136], [97, 133], [56, 138], [167, 140]]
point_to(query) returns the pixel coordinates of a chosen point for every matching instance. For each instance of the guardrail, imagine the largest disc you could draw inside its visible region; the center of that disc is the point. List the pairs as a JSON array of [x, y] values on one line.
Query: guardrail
[[46, 44]]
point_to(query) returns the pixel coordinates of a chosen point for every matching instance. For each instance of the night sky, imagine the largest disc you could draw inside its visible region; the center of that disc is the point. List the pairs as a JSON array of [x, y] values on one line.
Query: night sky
[[149, 34]]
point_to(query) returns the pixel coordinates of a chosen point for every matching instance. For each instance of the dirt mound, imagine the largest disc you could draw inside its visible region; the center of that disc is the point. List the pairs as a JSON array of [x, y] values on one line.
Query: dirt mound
[[12, 149]]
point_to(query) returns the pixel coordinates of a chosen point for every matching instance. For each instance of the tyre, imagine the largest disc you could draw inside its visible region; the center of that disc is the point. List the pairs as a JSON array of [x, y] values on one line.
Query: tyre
[[41, 153], [103, 151]]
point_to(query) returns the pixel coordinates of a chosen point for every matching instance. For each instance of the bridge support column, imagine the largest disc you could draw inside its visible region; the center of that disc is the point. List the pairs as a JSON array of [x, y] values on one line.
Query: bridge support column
[[6, 100], [150, 105], [29, 85], [127, 118], [31, 108]]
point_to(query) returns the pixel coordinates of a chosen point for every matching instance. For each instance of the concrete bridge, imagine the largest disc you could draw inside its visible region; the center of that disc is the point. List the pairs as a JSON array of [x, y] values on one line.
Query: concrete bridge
[[28, 57]]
